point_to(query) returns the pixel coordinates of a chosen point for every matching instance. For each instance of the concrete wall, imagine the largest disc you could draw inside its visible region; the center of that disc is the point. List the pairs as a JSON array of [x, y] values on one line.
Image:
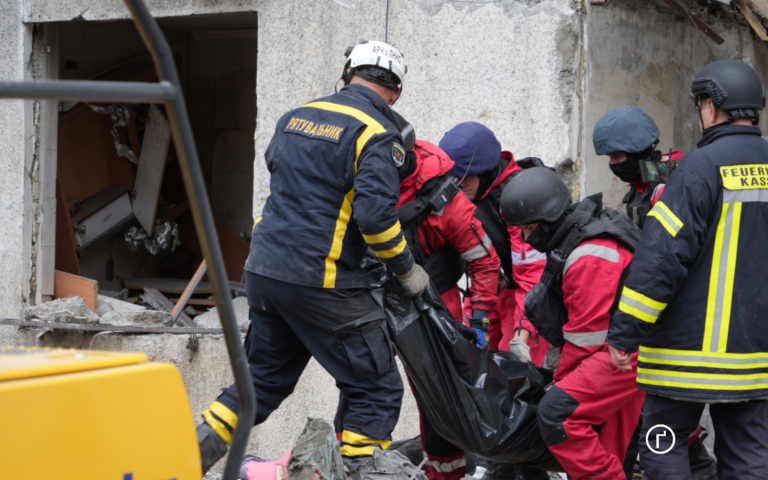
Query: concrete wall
[[645, 54], [509, 64], [15, 40]]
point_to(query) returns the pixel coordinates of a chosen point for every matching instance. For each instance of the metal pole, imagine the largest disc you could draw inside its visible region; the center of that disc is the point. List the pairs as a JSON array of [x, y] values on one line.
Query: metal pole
[[203, 216], [87, 91]]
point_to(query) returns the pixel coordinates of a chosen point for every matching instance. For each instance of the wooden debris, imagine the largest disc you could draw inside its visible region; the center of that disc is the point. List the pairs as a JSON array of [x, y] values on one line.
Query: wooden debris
[[68, 285]]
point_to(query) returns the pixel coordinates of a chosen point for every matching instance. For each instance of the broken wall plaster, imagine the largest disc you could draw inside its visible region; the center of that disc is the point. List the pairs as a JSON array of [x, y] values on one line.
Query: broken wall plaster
[[33, 172], [643, 55]]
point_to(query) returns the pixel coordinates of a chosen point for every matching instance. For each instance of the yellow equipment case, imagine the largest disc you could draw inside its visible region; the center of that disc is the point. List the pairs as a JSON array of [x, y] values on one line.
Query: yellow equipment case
[[92, 415]]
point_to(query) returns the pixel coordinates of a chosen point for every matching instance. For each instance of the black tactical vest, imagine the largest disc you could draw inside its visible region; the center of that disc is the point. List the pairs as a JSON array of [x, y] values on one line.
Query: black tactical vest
[[544, 304]]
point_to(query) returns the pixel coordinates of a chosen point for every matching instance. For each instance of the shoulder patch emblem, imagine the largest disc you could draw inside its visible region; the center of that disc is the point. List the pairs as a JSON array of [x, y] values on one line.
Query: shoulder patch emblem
[[319, 130], [398, 154]]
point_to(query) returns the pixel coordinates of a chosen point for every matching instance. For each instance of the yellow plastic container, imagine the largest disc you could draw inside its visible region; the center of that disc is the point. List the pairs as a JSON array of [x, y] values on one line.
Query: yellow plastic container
[[92, 415]]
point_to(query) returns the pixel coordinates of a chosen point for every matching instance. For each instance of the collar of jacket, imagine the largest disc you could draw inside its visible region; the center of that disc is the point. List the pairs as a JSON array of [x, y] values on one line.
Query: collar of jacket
[[361, 92], [511, 168], [725, 130], [431, 162]]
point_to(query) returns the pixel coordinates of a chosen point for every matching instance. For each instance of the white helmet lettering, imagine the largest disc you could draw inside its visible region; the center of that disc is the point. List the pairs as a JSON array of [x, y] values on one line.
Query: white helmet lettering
[[379, 54]]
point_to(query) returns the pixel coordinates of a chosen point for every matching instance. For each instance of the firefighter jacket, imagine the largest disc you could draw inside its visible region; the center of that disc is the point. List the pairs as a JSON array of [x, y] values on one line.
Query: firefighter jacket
[[455, 227], [333, 190], [694, 301]]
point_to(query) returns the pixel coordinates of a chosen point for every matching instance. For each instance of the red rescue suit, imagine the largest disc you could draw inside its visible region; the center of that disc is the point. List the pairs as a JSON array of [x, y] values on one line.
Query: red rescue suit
[[501, 317], [527, 266], [588, 417], [456, 226]]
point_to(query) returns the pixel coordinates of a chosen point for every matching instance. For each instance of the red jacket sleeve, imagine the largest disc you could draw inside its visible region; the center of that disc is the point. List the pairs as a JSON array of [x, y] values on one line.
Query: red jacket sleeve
[[527, 267], [590, 282], [457, 226]]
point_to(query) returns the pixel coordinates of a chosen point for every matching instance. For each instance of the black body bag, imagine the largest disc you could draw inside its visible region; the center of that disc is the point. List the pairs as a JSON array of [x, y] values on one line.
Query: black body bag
[[482, 402]]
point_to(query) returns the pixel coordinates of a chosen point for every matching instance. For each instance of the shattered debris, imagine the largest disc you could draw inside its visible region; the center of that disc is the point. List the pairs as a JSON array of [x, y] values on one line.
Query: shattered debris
[[145, 318], [65, 310], [210, 319], [109, 305], [316, 454]]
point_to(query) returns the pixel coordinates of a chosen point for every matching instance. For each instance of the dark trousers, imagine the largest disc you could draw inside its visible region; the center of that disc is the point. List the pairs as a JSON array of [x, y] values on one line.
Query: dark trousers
[[343, 329], [741, 438]]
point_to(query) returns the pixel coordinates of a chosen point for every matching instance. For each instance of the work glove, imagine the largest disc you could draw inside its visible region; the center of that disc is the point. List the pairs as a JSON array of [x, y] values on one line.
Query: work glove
[[520, 349], [480, 323], [415, 282]]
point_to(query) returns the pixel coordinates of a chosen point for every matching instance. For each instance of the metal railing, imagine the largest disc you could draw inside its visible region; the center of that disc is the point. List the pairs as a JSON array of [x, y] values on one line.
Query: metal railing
[[168, 91]]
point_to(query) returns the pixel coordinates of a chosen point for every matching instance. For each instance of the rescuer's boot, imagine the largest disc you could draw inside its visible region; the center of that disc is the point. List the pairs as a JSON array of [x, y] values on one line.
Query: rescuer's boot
[[212, 447]]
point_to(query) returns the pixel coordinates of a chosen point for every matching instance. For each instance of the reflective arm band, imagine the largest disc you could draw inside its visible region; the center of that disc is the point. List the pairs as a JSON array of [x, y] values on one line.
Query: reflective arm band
[[668, 220], [639, 306], [384, 236], [392, 252], [355, 445]]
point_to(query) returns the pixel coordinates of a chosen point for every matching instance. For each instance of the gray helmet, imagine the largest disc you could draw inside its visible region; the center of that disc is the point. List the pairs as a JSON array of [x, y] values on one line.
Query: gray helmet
[[625, 129], [534, 195], [733, 86]]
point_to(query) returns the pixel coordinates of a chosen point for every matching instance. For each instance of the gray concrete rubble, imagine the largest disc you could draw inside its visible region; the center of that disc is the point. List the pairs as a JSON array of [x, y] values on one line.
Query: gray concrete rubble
[[109, 305], [210, 319], [145, 318], [65, 310]]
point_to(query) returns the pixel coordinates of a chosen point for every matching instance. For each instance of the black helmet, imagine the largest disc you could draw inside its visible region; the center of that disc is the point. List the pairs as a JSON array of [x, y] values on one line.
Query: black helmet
[[733, 86], [534, 195]]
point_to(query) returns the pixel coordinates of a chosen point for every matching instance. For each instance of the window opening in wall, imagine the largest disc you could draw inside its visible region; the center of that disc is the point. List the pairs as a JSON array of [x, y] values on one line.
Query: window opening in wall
[[123, 219]]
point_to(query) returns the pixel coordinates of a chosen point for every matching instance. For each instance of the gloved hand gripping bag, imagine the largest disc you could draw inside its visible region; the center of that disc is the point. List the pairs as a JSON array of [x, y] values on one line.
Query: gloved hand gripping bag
[[482, 402]]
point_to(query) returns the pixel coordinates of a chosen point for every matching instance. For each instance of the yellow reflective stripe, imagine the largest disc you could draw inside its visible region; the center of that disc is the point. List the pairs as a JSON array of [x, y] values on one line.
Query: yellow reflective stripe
[[733, 248], [705, 381], [329, 280], [372, 128], [720, 297], [386, 235], [697, 363], [392, 252], [354, 444], [647, 301], [226, 415], [668, 220], [639, 306], [256, 222], [637, 313], [696, 353]]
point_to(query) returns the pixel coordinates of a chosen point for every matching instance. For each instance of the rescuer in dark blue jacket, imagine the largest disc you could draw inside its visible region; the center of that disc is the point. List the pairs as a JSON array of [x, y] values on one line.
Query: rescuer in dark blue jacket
[[333, 189], [694, 302]]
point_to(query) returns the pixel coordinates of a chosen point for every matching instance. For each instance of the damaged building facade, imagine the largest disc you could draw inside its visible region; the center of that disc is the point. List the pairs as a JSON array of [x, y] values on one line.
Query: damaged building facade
[[539, 73]]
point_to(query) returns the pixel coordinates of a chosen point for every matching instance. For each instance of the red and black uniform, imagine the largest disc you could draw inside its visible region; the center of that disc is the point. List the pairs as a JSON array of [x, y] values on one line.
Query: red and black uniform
[[454, 227], [521, 264], [588, 417], [527, 266]]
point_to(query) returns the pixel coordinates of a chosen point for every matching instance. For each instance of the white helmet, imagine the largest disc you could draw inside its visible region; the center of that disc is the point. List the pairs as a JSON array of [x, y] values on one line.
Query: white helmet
[[389, 65]]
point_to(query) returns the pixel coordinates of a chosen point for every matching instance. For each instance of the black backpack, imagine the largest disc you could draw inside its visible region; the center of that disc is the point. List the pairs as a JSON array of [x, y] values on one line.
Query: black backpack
[[544, 304], [445, 265]]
